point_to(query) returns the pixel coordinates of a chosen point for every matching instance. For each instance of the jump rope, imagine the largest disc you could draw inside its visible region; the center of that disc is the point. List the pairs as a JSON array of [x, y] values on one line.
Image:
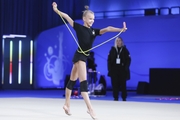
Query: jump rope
[[84, 52]]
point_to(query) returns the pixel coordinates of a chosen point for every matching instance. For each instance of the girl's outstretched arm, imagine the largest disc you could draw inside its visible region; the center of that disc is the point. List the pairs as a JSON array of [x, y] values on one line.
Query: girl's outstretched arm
[[113, 29], [64, 15]]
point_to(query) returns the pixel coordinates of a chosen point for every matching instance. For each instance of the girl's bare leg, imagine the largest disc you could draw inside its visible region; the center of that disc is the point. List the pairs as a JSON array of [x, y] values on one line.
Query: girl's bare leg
[[73, 77], [82, 77]]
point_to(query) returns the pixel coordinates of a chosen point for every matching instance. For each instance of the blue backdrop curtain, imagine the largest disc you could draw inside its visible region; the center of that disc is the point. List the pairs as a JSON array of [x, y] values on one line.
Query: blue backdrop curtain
[[30, 17]]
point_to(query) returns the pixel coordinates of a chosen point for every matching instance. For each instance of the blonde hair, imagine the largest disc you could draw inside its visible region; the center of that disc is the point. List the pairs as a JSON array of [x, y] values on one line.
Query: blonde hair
[[86, 11], [115, 42]]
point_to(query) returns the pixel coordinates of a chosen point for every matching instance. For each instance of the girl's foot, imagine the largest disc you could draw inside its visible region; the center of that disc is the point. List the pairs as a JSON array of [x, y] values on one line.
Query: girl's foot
[[66, 109], [91, 113]]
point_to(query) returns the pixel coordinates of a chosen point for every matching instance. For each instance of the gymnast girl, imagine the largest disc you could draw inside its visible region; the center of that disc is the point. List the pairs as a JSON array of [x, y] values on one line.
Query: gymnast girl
[[86, 35]]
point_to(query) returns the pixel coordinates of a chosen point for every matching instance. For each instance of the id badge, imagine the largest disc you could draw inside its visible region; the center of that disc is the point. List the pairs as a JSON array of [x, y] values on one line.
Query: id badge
[[118, 60]]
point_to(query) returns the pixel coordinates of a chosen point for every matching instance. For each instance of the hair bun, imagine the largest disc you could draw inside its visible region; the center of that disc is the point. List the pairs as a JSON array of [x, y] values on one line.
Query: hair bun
[[86, 7]]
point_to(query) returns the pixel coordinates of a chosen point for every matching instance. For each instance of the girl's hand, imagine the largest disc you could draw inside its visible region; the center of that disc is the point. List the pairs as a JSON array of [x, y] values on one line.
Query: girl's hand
[[124, 27], [54, 5]]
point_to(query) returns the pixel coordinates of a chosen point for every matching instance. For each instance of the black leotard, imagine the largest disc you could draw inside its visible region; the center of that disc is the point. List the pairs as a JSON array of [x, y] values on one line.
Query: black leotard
[[86, 38]]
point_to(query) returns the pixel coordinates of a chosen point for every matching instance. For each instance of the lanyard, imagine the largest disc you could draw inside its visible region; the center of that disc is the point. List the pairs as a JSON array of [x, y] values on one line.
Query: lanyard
[[118, 53]]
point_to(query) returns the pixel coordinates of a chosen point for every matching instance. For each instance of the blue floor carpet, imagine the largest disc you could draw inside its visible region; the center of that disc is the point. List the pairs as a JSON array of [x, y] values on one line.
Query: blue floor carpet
[[132, 96]]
